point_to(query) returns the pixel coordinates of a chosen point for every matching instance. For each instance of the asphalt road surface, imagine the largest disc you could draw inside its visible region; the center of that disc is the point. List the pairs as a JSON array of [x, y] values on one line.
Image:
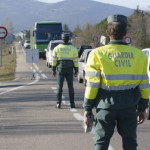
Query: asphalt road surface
[[30, 121]]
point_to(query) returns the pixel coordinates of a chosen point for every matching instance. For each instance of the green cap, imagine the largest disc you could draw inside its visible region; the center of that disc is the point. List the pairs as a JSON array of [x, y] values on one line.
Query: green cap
[[117, 18], [65, 35]]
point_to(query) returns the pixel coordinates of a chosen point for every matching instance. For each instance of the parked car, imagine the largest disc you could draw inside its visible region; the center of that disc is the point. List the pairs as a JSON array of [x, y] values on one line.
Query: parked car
[[82, 63], [82, 48], [147, 52], [27, 44], [49, 51]]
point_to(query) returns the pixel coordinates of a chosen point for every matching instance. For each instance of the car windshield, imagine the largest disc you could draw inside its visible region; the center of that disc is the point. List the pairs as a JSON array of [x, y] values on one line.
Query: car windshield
[[54, 45], [147, 53], [86, 47], [87, 56]]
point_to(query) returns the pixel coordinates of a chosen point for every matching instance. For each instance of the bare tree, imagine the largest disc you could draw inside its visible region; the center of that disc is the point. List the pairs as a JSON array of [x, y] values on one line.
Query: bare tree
[[8, 24], [66, 28]]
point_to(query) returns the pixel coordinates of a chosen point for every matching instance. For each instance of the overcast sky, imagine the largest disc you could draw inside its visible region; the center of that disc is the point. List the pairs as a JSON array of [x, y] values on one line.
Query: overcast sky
[[143, 4]]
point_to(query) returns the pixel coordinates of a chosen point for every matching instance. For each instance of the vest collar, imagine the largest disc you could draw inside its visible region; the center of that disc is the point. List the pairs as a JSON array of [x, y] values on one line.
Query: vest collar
[[119, 42], [67, 44]]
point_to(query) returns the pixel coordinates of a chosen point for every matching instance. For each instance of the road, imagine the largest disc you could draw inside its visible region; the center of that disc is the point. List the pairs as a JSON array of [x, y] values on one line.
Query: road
[[30, 121]]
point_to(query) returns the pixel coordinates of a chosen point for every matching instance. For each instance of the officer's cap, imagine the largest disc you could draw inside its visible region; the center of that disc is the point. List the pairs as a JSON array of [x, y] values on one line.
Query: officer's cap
[[65, 35], [117, 18]]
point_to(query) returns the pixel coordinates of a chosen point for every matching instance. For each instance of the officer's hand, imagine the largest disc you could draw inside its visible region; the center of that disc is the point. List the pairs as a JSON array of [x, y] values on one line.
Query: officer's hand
[[54, 74], [75, 74], [86, 119], [140, 117]]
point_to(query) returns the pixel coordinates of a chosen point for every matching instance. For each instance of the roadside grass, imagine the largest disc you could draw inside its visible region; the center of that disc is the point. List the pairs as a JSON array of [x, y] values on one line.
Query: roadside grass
[[8, 67]]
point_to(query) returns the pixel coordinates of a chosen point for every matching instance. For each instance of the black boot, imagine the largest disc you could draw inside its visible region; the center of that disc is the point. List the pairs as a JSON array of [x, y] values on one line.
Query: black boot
[[59, 97], [71, 96]]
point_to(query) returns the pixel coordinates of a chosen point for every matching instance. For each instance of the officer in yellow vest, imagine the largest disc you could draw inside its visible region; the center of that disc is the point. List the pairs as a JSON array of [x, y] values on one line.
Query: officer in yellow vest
[[118, 86], [65, 61]]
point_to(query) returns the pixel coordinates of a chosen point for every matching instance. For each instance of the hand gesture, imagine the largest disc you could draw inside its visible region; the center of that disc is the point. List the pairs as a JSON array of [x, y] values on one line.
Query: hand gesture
[[75, 74], [140, 117], [86, 119]]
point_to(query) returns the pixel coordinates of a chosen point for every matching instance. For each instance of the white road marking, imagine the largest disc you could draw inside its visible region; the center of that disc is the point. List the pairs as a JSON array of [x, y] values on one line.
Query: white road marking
[[37, 68], [41, 73], [110, 148], [78, 116], [19, 87], [53, 88], [44, 76], [66, 103], [36, 75], [73, 110], [63, 97]]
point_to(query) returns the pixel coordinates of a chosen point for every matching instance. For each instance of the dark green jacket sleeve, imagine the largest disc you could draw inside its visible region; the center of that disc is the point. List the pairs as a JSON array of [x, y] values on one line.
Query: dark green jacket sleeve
[[142, 105], [54, 68], [88, 104], [76, 69]]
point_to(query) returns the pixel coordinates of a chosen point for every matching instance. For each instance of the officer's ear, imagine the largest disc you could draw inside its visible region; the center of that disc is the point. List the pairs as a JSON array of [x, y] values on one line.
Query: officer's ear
[[107, 32]]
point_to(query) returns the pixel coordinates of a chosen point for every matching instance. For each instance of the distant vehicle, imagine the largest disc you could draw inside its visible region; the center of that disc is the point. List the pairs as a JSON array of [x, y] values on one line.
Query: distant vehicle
[[42, 32], [49, 51], [82, 63], [147, 52], [82, 48], [27, 44], [21, 42]]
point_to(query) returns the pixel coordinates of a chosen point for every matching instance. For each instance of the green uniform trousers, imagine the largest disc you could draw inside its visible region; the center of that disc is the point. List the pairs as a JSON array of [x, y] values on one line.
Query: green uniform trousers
[[65, 73], [126, 122]]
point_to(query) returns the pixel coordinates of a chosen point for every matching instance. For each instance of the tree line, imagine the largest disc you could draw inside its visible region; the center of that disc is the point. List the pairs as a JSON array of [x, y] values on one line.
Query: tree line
[[138, 30]]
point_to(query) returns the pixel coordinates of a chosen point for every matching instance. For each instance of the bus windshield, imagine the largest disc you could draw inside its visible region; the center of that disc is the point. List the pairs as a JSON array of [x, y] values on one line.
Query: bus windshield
[[47, 32]]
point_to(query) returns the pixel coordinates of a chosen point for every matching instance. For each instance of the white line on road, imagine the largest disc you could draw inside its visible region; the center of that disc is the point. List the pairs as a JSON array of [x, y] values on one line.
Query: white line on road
[[78, 116], [63, 97], [110, 148], [36, 75], [53, 88], [73, 110], [13, 89], [66, 102], [42, 74]]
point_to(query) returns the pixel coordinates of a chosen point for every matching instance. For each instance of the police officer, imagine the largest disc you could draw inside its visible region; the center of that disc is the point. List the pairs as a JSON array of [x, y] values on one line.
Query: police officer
[[65, 61], [118, 86]]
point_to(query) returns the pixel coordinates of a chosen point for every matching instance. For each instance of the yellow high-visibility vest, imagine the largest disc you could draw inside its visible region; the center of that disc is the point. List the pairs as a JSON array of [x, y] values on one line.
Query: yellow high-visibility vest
[[116, 67], [65, 52]]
